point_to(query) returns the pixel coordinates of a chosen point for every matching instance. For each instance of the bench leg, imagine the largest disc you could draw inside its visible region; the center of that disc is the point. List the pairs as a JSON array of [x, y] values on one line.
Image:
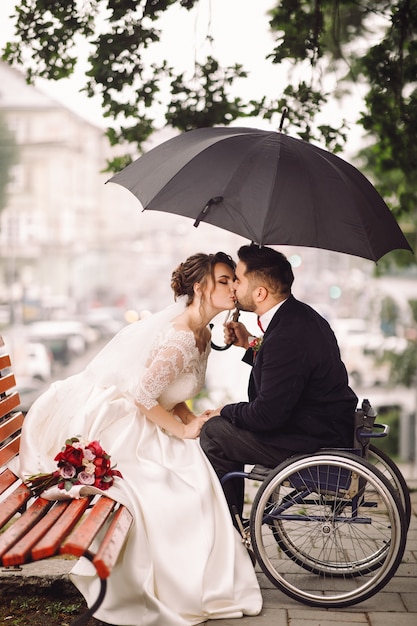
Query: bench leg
[[82, 620]]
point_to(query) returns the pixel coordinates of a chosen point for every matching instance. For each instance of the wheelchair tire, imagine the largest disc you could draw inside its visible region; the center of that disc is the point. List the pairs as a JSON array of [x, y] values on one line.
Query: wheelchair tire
[[322, 542], [386, 465]]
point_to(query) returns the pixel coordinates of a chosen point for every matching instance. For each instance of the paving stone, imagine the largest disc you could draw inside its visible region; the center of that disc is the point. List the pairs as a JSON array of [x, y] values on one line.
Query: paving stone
[[392, 619]]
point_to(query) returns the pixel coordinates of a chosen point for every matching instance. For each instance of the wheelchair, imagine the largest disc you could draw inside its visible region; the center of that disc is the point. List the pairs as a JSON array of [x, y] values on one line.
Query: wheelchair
[[329, 529]]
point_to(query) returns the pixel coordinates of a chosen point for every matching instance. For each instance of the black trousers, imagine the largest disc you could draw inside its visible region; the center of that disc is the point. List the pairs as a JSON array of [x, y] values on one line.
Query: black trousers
[[230, 448]]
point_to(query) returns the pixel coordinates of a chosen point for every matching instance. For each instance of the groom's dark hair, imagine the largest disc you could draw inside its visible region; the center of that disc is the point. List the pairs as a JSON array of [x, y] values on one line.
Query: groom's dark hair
[[268, 265]]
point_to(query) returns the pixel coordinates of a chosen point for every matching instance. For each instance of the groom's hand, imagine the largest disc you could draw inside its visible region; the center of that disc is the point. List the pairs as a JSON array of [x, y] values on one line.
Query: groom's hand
[[237, 334], [209, 413]]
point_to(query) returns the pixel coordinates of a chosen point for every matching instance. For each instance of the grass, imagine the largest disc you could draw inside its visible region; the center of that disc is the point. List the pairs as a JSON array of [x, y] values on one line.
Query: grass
[[56, 605]]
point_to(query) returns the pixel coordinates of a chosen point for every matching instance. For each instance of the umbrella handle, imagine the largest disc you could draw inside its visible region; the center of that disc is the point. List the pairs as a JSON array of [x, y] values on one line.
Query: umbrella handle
[[235, 318], [220, 348]]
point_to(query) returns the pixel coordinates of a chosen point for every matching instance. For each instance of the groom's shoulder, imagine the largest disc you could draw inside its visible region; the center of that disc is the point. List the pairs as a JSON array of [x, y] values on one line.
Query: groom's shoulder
[[293, 308]]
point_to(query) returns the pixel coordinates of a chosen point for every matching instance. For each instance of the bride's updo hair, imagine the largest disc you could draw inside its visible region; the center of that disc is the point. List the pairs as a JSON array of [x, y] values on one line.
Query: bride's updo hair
[[197, 269]]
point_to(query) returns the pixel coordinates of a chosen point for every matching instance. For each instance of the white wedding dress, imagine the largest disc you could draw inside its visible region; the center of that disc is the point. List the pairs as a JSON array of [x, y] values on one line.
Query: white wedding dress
[[183, 562]]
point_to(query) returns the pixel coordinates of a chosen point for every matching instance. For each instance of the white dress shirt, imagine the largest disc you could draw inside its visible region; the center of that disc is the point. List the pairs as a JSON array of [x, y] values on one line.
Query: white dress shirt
[[265, 318]]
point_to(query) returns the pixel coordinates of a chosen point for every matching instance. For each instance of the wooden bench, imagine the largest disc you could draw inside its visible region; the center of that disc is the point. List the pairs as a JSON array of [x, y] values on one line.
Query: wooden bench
[[32, 529]]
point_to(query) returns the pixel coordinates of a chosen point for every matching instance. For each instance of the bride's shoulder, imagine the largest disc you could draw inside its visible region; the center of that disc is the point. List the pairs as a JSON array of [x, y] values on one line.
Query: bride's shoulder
[[180, 328], [176, 336], [177, 330]]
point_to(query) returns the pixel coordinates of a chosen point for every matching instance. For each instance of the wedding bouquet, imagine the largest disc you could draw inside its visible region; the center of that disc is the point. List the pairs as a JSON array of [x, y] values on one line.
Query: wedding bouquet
[[79, 463]]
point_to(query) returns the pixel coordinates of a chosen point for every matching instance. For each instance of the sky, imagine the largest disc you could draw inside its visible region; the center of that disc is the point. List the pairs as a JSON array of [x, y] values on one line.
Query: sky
[[240, 35]]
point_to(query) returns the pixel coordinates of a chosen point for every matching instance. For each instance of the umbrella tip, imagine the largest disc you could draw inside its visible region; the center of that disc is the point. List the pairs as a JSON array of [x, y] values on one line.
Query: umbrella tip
[[283, 116]]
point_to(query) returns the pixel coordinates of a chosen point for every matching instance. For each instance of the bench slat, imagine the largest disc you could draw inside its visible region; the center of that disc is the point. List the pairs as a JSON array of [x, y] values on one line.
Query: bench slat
[[49, 544], [20, 551], [4, 358], [9, 451], [7, 382], [9, 403], [7, 478], [112, 543], [78, 542], [13, 503], [22, 525], [12, 425]]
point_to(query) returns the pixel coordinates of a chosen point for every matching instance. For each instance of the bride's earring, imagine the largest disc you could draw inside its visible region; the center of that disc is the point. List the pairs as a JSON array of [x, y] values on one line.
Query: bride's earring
[[198, 295]]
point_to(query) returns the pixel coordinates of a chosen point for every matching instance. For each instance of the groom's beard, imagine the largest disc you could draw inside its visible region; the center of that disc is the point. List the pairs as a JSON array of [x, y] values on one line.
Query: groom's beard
[[246, 304]]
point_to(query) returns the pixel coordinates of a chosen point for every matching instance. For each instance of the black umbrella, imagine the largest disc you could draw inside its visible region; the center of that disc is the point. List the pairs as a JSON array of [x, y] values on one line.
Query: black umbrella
[[267, 187]]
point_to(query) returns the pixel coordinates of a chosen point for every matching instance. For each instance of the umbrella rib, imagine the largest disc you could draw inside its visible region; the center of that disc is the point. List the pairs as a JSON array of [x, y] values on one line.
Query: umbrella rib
[[241, 218], [347, 183]]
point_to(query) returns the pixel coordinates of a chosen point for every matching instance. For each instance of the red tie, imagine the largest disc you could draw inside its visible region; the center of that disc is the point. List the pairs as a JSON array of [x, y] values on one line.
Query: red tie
[[260, 325]]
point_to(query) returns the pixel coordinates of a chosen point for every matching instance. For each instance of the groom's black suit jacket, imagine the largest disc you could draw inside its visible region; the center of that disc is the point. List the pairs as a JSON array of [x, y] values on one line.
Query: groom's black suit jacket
[[299, 398]]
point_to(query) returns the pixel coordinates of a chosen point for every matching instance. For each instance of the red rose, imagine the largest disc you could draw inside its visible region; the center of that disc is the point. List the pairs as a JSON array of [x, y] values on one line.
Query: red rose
[[102, 466], [71, 455], [96, 448], [101, 484]]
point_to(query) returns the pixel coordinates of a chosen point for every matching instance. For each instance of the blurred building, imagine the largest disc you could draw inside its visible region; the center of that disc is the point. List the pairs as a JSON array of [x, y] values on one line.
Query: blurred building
[[54, 225], [66, 238]]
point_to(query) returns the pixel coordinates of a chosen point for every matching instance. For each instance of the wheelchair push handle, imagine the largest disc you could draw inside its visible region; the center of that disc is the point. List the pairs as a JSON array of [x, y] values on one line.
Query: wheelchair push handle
[[368, 409]]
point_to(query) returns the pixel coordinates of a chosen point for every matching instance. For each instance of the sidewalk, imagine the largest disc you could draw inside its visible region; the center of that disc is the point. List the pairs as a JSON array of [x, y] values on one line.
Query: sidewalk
[[395, 604]]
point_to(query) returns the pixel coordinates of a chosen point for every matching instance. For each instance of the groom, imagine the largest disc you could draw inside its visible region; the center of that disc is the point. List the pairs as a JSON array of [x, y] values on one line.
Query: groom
[[299, 398]]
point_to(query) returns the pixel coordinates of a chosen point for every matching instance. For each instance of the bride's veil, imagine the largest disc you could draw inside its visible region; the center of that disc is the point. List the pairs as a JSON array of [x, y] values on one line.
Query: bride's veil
[[122, 361], [69, 407]]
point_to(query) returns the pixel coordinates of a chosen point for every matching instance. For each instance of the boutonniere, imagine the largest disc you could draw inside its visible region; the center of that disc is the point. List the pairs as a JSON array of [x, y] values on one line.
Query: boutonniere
[[256, 343]]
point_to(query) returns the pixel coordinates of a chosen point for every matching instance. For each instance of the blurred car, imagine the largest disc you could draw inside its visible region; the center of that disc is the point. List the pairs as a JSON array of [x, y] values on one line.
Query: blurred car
[[106, 321], [64, 339], [30, 359], [29, 390], [37, 361], [4, 314]]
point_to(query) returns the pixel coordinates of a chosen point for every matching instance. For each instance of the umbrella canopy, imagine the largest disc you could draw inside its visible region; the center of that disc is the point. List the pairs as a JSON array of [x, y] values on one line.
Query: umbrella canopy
[[267, 187]]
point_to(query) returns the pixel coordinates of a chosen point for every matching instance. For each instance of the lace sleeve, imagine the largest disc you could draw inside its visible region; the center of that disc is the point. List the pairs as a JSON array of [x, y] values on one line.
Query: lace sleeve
[[167, 361]]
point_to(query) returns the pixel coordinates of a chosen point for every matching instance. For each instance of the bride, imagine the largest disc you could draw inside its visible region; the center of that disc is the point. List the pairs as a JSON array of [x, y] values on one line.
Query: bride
[[183, 562]]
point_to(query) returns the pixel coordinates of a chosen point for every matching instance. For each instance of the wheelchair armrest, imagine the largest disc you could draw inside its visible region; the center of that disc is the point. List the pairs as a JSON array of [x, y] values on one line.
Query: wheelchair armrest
[[366, 434]]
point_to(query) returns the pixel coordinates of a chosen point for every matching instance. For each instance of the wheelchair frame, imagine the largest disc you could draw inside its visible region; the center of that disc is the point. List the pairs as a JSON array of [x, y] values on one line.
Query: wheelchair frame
[[329, 529]]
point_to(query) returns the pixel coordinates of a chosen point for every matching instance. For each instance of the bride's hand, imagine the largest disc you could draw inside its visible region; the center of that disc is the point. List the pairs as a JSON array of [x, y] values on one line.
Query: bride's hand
[[193, 428]]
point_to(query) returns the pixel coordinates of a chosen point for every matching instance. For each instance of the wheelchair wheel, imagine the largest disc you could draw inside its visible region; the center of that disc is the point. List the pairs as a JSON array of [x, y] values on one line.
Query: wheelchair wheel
[[328, 530], [386, 465]]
